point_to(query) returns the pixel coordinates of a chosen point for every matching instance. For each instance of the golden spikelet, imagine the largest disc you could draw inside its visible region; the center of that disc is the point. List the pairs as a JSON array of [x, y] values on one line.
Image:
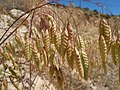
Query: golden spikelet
[[19, 42], [105, 31], [28, 50], [103, 52], [39, 44], [45, 59], [35, 57], [79, 63], [70, 31], [46, 41], [52, 56], [57, 42], [85, 63], [64, 41], [10, 48], [113, 52], [70, 56], [52, 27], [84, 57]]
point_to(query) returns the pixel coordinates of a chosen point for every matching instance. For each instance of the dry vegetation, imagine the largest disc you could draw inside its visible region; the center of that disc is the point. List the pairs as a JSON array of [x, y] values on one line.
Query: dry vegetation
[[68, 47]]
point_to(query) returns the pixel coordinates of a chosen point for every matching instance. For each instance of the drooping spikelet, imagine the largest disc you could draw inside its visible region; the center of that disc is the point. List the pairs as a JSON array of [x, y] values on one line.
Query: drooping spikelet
[[28, 50], [105, 31], [52, 27], [70, 55], [70, 31], [103, 52], [57, 42], [46, 41], [84, 57], [35, 57], [79, 63], [39, 44], [45, 58], [113, 52], [64, 41]]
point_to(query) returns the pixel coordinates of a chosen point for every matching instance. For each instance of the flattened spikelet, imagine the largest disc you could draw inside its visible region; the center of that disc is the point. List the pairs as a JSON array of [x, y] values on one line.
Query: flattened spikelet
[[70, 55], [45, 59], [85, 63], [64, 41], [105, 31], [79, 63], [114, 53], [35, 57], [103, 52], [19, 41], [57, 42], [47, 42], [70, 31], [39, 44], [28, 50]]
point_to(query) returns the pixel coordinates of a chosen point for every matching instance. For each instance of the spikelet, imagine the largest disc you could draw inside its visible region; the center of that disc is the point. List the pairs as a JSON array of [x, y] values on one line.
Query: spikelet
[[79, 63], [70, 31], [84, 57], [52, 27], [103, 52], [45, 59], [4, 55], [10, 48], [46, 41], [52, 56], [105, 31], [19, 41], [28, 50], [64, 41], [70, 55], [35, 57], [85, 63], [113, 52], [39, 44], [57, 42]]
